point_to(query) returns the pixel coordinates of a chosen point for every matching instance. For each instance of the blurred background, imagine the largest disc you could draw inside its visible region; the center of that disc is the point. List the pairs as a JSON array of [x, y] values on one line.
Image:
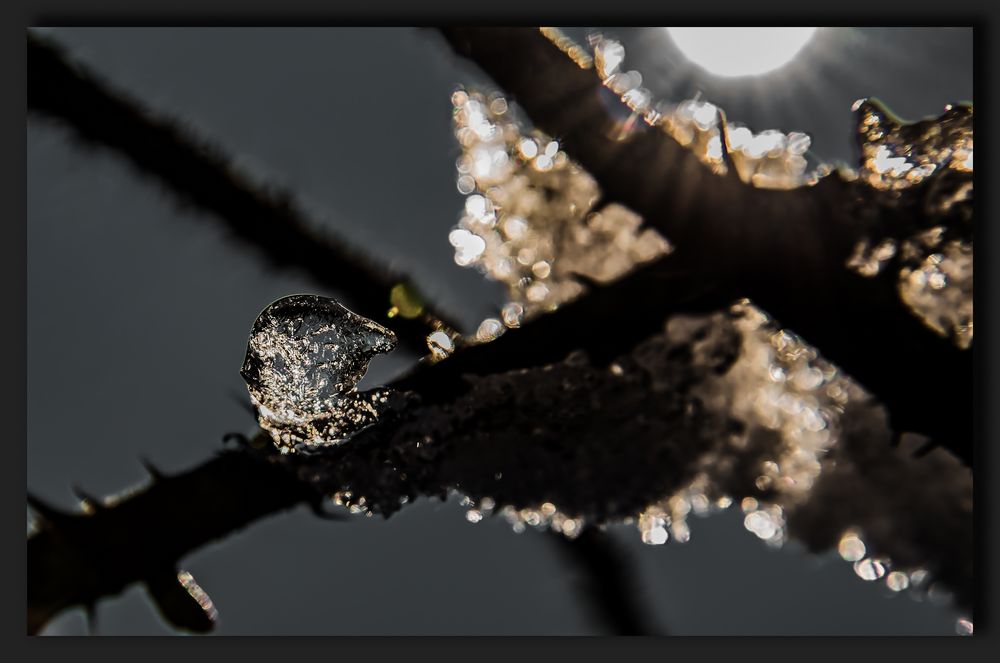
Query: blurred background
[[139, 310]]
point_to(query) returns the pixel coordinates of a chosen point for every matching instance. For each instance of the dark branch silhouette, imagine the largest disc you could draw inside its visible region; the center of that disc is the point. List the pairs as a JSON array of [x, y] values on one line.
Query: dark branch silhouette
[[536, 416], [606, 581], [199, 172], [785, 250], [600, 444], [75, 560], [56, 560]]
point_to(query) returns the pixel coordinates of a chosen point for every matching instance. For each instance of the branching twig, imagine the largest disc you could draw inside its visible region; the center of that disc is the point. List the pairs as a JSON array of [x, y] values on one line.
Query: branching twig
[[75, 560], [547, 426], [78, 558], [600, 444], [267, 218], [785, 250]]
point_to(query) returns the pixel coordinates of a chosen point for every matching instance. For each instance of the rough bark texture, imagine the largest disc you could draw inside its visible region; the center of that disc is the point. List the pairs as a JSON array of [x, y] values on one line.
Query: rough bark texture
[[785, 250], [536, 416]]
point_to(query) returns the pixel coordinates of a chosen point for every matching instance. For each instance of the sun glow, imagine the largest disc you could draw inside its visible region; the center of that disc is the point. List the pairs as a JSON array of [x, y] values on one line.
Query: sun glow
[[741, 51]]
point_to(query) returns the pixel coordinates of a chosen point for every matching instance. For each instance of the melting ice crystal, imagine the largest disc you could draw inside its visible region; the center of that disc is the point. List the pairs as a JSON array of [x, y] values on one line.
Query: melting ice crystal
[[304, 359]]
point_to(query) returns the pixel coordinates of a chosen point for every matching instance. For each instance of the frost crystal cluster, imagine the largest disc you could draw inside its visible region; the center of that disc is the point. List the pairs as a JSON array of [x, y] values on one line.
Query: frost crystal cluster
[[769, 159], [897, 155], [529, 219], [304, 359], [935, 276], [795, 466]]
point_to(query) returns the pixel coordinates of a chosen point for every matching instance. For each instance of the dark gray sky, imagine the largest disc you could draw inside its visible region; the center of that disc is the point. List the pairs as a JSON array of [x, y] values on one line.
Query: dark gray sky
[[138, 312]]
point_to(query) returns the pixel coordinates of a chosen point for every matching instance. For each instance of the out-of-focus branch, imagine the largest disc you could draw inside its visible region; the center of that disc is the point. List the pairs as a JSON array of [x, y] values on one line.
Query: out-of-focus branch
[[267, 218], [785, 250], [607, 582]]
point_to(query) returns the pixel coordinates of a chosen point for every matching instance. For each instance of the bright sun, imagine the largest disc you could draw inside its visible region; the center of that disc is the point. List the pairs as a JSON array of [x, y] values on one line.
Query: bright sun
[[741, 51]]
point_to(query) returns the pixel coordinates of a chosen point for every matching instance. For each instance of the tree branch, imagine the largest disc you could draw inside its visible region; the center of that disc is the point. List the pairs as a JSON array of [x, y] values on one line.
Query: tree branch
[[78, 559], [785, 250], [519, 421], [600, 444], [607, 582], [201, 173]]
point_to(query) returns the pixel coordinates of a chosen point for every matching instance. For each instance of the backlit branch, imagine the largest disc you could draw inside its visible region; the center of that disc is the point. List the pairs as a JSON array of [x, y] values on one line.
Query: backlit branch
[[785, 250], [601, 444], [266, 217], [526, 421]]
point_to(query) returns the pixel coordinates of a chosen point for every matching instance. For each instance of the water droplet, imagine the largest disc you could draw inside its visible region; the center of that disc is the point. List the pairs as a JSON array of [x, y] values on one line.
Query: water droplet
[[537, 292], [869, 569], [798, 143], [963, 626], [761, 524], [655, 536], [305, 356], [466, 184], [515, 227], [440, 344], [489, 329], [528, 148], [513, 315], [851, 547], [918, 577], [622, 82], [638, 99], [498, 106], [897, 581], [468, 246], [477, 206], [608, 57], [681, 531]]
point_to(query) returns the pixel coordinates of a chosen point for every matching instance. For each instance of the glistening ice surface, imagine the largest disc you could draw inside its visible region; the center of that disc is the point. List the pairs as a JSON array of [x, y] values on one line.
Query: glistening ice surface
[[305, 356]]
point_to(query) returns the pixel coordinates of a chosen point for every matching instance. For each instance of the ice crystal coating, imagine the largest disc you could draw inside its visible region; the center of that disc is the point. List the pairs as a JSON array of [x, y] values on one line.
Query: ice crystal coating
[[709, 412], [529, 219], [304, 359], [935, 265], [440, 344], [897, 154], [939, 290], [769, 159], [935, 275]]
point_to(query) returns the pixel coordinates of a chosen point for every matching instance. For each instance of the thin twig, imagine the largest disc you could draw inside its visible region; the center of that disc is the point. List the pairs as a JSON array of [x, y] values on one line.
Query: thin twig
[[266, 217]]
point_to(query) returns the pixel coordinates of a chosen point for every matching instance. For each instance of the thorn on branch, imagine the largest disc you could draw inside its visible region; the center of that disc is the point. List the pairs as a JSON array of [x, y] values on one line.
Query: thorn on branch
[[88, 502], [154, 472], [50, 515]]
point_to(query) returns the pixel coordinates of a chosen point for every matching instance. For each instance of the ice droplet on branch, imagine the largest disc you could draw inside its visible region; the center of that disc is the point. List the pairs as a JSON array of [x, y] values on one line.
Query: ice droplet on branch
[[304, 359]]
